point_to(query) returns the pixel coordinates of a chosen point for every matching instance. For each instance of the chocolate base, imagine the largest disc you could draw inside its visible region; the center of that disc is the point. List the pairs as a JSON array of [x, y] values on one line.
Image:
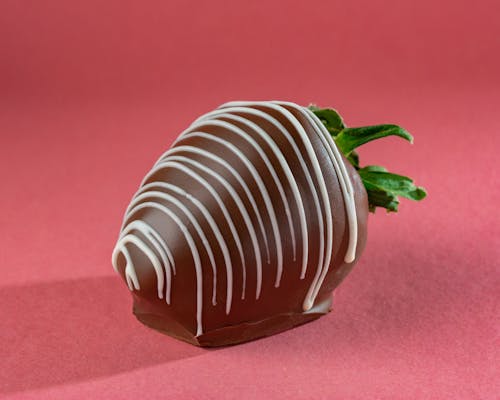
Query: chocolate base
[[232, 334]]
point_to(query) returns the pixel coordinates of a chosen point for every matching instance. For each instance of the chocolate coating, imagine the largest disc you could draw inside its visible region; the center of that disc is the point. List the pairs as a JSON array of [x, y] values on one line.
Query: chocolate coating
[[248, 169]]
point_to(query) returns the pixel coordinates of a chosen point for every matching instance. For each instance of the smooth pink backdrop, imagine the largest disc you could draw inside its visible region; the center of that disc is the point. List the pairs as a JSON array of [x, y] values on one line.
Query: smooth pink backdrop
[[92, 92]]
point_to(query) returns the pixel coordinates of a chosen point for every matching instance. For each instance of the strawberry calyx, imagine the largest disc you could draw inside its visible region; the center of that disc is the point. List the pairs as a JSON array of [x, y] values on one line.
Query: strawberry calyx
[[383, 187]]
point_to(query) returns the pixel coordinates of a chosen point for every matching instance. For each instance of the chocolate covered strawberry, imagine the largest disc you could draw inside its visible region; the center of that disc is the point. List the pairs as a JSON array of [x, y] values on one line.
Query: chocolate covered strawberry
[[248, 222]]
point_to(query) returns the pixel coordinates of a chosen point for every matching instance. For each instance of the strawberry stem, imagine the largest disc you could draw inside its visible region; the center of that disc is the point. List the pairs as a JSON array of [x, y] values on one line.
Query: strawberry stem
[[383, 187]]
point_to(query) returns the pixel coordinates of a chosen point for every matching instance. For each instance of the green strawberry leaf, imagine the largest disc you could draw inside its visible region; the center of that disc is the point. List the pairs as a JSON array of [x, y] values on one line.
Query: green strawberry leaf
[[398, 185], [353, 158], [382, 187], [330, 118], [380, 198], [350, 138], [374, 168]]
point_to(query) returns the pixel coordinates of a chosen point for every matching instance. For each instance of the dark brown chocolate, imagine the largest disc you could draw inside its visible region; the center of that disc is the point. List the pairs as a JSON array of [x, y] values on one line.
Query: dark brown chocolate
[[249, 173]]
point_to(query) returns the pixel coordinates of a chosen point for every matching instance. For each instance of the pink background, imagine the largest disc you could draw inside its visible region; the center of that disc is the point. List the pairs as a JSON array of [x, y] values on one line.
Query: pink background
[[91, 93]]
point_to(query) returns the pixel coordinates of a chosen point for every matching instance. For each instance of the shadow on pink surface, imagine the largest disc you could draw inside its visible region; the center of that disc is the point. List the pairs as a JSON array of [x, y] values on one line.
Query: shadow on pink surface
[[75, 330], [78, 330], [394, 315]]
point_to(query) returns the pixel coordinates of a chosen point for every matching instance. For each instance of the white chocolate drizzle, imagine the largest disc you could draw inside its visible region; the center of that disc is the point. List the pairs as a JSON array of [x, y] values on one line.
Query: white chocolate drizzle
[[224, 128], [239, 203], [284, 166], [164, 196], [197, 151], [263, 190], [309, 300], [213, 225]]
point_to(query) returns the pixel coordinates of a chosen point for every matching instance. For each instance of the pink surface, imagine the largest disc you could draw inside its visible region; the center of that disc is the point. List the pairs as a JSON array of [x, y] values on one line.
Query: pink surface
[[91, 94]]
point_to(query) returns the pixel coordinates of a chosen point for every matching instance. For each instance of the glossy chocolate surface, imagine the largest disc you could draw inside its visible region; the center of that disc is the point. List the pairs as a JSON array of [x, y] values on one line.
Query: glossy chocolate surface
[[208, 187]]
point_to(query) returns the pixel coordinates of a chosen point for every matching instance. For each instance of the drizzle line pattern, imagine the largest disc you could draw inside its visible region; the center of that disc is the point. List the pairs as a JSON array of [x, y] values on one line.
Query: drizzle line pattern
[[222, 134]]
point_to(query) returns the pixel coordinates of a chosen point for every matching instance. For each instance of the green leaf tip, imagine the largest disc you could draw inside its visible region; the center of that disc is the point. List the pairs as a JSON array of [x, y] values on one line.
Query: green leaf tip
[[330, 118], [382, 187], [378, 181], [350, 138]]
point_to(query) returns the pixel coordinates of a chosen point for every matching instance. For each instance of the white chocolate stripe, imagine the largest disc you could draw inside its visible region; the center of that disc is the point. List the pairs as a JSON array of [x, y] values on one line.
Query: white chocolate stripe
[[241, 208], [192, 219], [260, 114], [130, 275], [262, 187], [194, 253], [309, 300], [147, 251], [160, 246], [329, 220], [218, 199], [213, 225], [318, 279], [258, 179], [347, 189], [225, 113], [235, 173], [147, 231], [265, 194]]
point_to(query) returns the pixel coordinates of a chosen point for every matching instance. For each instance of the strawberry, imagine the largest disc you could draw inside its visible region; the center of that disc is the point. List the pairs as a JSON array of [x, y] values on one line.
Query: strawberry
[[245, 226]]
